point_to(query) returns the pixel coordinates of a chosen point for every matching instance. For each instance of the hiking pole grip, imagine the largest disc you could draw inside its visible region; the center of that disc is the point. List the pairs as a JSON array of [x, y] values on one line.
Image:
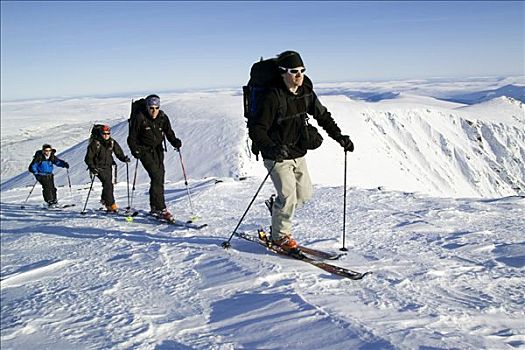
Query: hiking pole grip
[[226, 244], [344, 205]]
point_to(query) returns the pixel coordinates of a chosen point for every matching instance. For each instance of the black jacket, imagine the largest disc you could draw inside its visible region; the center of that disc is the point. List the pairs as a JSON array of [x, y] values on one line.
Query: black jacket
[[280, 120], [147, 134], [100, 153]]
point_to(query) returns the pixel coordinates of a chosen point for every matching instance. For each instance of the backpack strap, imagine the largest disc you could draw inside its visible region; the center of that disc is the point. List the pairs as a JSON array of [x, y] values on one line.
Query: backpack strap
[[97, 146], [282, 107], [97, 142]]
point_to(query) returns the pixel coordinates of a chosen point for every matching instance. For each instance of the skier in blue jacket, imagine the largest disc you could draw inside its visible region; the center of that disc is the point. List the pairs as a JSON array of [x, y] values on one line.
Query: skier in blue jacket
[[42, 168]]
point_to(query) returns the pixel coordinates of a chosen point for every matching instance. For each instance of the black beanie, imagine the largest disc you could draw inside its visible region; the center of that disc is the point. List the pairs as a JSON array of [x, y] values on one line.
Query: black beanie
[[289, 59], [46, 146]]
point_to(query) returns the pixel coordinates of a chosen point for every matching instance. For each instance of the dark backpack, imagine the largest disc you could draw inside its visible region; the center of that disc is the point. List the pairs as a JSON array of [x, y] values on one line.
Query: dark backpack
[[136, 106], [264, 77], [96, 134], [37, 158]]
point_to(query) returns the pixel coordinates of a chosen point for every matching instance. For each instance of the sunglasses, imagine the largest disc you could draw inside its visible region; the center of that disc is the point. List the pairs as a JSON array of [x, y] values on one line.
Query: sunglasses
[[293, 71], [106, 133], [154, 108]]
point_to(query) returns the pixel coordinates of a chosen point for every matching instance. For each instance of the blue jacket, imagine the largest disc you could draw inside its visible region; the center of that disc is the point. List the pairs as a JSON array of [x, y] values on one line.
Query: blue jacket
[[42, 166]]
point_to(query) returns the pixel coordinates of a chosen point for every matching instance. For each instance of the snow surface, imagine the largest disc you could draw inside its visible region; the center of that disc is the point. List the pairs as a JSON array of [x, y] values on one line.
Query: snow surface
[[435, 209]]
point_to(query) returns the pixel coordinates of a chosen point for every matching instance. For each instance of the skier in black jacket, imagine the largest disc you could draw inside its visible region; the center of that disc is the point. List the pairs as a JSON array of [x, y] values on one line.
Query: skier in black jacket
[[147, 129], [279, 132], [99, 159]]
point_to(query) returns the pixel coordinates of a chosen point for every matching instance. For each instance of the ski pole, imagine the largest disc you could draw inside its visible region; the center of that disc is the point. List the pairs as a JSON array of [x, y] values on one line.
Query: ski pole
[[193, 216], [226, 244], [134, 181], [69, 180], [344, 206], [23, 206], [127, 181], [90, 187]]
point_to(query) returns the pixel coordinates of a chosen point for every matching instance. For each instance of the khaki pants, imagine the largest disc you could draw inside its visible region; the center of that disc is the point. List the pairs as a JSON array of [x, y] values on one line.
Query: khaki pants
[[294, 187]]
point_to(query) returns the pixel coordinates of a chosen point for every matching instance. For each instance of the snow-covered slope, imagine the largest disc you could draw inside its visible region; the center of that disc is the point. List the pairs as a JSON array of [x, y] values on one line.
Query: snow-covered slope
[[448, 273], [502, 110], [410, 143]]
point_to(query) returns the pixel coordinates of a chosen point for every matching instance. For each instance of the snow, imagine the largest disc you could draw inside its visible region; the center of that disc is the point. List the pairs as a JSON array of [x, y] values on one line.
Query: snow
[[435, 209]]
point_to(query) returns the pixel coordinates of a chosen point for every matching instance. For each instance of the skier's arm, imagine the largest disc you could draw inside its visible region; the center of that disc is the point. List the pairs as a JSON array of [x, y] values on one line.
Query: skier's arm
[[119, 153], [61, 163], [89, 159], [324, 118], [134, 131], [170, 134]]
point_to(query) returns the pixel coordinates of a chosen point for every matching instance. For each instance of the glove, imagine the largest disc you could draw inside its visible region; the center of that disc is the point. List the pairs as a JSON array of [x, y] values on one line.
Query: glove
[[126, 159], [66, 165], [345, 142], [177, 144], [279, 153], [136, 154], [93, 171]]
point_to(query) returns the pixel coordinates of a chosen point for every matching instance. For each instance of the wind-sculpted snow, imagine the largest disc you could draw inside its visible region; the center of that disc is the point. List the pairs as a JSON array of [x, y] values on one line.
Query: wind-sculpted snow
[[447, 273]]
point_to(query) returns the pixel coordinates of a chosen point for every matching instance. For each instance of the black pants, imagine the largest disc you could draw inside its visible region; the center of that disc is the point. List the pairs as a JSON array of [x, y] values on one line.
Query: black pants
[[106, 177], [49, 190], [153, 162]]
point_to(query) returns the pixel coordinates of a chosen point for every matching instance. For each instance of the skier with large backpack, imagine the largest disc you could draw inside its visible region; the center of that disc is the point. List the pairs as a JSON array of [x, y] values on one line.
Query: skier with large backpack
[[42, 168], [277, 100], [99, 159], [149, 127]]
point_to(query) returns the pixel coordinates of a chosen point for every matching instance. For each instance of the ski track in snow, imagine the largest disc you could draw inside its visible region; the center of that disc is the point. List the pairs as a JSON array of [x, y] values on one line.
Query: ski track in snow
[[444, 275]]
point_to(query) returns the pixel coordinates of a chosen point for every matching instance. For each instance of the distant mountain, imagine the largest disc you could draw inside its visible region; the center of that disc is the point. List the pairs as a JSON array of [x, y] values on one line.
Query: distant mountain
[[368, 96], [516, 92]]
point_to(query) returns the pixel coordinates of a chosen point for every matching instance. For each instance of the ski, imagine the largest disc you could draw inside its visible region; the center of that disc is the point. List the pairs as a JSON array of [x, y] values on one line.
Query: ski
[[319, 254], [125, 213], [59, 207], [176, 222], [335, 270], [128, 215], [310, 251], [181, 223]]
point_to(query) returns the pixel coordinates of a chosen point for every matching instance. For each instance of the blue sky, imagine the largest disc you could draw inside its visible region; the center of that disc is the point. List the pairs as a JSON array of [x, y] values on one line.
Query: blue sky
[[51, 49]]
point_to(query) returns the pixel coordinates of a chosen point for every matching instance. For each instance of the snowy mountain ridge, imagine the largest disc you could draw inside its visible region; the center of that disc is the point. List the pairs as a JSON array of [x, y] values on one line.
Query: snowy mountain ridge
[[411, 143]]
